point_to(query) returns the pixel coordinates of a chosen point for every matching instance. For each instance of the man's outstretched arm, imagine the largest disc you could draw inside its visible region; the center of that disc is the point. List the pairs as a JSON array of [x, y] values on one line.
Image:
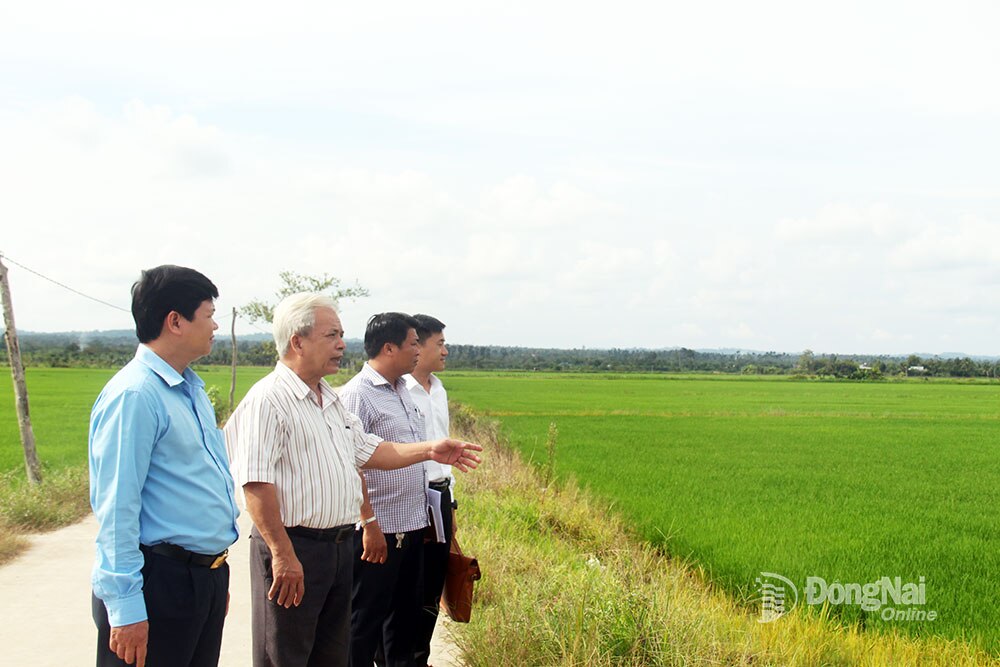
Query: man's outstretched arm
[[392, 455]]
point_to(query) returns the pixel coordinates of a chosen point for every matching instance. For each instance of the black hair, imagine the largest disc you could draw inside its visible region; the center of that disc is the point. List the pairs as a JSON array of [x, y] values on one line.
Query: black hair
[[164, 289], [386, 328], [427, 325]]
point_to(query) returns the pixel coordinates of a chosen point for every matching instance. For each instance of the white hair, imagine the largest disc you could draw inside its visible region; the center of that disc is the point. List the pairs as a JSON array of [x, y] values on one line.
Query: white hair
[[296, 315]]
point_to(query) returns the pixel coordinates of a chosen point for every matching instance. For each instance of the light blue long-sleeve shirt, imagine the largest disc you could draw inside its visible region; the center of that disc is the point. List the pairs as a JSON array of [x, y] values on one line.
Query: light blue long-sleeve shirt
[[158, 473]]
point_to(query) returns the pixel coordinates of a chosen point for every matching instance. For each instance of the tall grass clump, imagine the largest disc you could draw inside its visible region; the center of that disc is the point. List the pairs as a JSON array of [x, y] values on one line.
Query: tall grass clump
[[550, 453], [566, 582], [61, 499]]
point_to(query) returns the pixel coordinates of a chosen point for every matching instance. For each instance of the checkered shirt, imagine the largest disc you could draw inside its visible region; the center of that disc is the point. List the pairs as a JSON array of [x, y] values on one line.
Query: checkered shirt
[[397, 496]]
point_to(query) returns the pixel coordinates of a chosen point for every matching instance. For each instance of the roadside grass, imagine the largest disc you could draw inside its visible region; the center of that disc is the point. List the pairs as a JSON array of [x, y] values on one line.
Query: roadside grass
[[60, 400], [567, 582], [61, 499]]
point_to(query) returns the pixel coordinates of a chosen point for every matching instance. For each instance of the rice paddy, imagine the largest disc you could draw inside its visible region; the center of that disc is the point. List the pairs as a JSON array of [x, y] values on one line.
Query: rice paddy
[[844, 483]]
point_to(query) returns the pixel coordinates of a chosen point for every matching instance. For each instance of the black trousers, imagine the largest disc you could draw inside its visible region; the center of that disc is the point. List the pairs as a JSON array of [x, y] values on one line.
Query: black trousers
[[435, 565], [317, 632], [186, 609], [386, 601]]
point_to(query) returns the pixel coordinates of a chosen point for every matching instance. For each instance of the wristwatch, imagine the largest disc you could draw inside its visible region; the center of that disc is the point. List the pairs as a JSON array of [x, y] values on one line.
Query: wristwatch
[[364, 522]]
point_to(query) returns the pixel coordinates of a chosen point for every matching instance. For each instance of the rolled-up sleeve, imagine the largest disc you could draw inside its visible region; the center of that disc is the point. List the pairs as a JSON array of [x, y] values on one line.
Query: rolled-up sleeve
[[255, 439], [123, 431]]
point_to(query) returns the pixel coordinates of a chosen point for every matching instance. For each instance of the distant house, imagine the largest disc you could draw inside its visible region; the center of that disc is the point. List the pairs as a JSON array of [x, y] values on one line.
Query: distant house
[[864, 367], [918, 370]]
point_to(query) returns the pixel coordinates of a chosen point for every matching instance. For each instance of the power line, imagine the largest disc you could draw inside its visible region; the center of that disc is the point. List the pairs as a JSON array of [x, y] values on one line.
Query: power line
[[92, 298], [67, 287], [221, 318], [259, 329]]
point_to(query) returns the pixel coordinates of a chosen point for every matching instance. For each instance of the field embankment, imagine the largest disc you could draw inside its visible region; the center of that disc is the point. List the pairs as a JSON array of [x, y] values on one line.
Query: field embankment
[[566, 582]]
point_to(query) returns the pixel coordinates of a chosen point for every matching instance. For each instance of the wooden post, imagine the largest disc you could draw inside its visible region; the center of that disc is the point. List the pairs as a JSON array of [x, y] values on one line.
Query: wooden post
[[20, 388], [232, 381]]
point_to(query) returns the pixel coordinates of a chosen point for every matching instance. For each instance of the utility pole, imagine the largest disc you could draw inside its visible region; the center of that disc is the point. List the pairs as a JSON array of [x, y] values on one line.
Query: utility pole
[[232, 381], [20, 388]]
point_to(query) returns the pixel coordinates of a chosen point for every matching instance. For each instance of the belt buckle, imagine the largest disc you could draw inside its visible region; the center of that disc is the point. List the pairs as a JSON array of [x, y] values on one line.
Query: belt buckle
[[219, 560]]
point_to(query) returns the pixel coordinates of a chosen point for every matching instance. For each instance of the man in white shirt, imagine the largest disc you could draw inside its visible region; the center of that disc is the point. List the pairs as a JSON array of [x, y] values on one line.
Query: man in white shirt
[[432, 400], [296, 451]]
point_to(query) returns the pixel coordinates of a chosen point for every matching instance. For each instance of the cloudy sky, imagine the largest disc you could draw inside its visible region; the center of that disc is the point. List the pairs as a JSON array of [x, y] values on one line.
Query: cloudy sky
[[769, 175]]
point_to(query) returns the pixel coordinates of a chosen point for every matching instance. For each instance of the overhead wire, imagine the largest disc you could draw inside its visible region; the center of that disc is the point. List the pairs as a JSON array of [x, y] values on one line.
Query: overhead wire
[[101, 301], [64, 286]]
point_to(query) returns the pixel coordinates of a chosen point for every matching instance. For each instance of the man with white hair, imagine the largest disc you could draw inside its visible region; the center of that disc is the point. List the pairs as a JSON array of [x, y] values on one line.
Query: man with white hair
[[296, 451]]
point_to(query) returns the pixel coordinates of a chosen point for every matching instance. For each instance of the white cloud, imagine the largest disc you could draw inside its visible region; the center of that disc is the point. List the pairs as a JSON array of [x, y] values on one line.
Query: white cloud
[[966, 243], [842, 224], [881, 335], [741, 332], [520, 202], [687, 330]]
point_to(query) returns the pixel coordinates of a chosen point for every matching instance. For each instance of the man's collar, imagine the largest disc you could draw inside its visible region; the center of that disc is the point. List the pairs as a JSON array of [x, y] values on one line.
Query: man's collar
[[300, 388], [373, 376], [155, 363], [412, 381]]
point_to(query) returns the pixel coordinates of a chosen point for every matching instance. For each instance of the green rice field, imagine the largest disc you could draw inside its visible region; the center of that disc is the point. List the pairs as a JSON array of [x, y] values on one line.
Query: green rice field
[[60, 400], [850, 482], [846, 481]]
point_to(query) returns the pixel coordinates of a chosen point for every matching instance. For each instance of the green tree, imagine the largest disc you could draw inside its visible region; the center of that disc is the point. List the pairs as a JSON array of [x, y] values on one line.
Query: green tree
[[293, 282], [807, 362]]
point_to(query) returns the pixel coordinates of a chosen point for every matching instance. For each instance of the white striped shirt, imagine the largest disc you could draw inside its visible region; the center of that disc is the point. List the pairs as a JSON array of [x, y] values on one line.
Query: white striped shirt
[[398, 497], [279, 434]]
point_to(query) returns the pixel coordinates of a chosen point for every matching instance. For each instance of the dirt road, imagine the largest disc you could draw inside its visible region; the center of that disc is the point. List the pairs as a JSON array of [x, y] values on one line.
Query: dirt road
[[45, 604]]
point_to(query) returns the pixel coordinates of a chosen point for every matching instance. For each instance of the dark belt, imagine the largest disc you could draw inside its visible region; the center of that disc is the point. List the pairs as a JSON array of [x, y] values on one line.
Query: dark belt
[[189, 557], [440, 486], [338, 534]]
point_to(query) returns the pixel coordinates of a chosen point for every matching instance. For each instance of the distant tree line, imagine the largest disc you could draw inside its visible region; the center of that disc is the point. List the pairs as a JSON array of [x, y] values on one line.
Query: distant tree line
[[108, 349], [72, 350], [684, 360], [111, 349]]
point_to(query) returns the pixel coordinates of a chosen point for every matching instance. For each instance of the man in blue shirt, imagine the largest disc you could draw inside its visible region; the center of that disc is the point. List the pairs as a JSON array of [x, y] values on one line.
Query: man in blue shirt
[[160, 487]]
